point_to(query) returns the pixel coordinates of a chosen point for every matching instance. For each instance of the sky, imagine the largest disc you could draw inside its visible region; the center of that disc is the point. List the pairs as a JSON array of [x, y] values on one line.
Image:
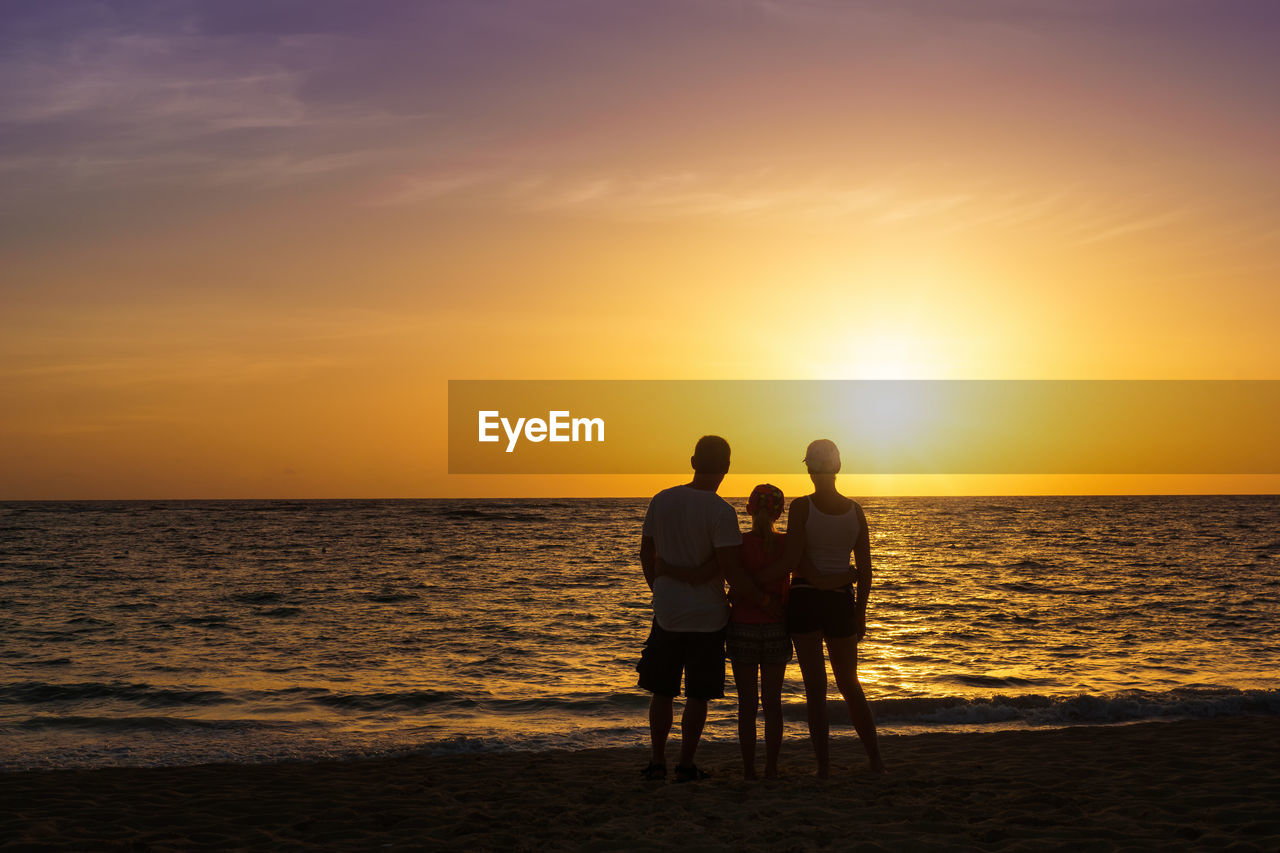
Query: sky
[[246, 244]]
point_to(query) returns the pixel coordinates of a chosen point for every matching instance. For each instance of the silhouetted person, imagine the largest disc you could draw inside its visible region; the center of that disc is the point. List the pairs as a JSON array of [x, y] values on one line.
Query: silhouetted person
[[825, 528], [687, 525], [757, 640]]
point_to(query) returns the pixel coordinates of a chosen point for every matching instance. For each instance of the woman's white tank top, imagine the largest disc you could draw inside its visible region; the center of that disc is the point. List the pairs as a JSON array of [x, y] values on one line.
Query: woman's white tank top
[[829, 539]]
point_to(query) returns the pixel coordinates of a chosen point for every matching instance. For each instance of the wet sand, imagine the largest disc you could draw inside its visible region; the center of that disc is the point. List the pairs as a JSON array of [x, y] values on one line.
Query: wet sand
[[1188, 785]]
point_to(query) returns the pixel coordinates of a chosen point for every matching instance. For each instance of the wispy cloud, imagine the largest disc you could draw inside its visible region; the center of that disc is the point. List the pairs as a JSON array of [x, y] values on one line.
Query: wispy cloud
[[105, 107], [128, 347], [1134, 224], [1076, 214]]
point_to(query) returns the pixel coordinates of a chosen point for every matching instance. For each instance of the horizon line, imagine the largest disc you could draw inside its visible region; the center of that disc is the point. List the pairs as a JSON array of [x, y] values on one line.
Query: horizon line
[[629, 497]]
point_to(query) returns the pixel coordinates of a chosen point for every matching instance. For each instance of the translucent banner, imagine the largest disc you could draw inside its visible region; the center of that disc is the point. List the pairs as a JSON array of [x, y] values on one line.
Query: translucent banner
[[881, 426]]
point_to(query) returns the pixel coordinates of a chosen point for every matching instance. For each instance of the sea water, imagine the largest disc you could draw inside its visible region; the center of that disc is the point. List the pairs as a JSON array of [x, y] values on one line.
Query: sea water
[[162, 633]]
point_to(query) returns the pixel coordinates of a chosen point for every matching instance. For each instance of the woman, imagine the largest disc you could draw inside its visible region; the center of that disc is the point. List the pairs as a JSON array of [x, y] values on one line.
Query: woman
[[825, 528], [756, 641]]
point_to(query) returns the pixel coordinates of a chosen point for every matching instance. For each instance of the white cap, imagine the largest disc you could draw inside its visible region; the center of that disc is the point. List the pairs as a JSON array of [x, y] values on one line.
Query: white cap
[[822, 456]]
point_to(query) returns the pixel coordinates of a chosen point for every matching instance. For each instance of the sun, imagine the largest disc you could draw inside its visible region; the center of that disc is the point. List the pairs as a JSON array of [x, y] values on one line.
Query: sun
[[895, 354], [873, 351]]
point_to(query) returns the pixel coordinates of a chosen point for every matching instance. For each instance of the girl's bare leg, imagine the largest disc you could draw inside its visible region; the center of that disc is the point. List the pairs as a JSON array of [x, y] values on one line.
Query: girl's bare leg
[[744, 676], [771, 676]]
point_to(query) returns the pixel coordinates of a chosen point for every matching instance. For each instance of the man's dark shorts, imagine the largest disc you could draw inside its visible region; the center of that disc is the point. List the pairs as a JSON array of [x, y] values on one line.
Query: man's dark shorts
[[698, 655], [830, 611]]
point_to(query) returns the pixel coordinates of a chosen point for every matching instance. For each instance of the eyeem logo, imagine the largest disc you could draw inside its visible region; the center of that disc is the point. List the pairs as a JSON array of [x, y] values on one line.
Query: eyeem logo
[[558, 426]]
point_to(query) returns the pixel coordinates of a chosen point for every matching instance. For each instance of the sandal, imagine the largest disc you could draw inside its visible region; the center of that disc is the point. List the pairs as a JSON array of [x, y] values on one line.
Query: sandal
[[654, 772], [690, 773]]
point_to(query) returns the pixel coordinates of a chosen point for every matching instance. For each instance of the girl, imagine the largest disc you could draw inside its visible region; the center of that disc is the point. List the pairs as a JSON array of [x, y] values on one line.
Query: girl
[[757, 641]]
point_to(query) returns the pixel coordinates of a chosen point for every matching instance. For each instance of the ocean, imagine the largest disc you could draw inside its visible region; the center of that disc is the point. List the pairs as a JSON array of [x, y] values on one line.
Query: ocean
[[183, 632]]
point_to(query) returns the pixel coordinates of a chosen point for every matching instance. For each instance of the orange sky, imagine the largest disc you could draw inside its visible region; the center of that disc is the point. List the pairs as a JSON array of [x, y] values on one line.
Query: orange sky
[[244, 255]]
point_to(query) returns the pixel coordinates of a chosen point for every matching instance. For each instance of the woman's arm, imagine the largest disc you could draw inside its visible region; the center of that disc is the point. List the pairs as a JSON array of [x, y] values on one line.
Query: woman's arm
[[862, 559], [797, 515]]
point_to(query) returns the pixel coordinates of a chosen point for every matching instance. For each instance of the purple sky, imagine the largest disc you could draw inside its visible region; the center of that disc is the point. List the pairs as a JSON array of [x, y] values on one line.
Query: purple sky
[[148, 96]]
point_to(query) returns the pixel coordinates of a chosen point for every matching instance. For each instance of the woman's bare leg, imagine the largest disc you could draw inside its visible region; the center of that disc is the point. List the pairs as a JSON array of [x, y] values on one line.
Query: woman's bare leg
[[813, 668], [771, 676], [844, 665], [744, 676]]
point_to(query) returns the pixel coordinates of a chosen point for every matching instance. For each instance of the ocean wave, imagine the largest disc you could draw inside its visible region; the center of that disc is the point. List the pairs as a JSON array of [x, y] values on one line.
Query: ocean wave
[[39, 692], [1028, 708], [411, 700], [460, 744], [995, 680], [1034, 588], [1026, 564], [1040, 710], [1011, 617], [505, 514], [139, 724], [33, 664], [584, 704], [261, 597], [389, 596], [404, 700]]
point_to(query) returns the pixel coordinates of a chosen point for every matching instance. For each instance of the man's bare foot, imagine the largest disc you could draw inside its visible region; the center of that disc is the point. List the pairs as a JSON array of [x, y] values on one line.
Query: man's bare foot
[[750, 775], [771, 773]]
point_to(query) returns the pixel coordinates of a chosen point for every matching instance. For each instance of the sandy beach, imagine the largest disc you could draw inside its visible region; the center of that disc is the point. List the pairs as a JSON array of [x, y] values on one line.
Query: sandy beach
[[1190, 785]]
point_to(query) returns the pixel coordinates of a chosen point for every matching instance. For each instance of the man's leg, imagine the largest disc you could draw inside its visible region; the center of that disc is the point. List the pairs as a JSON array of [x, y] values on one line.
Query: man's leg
[[691, 724], [660, 714], [703, 681], [660, 669]]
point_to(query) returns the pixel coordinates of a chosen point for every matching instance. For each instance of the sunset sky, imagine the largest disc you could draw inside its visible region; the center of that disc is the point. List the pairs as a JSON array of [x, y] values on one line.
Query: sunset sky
[[246, 244]]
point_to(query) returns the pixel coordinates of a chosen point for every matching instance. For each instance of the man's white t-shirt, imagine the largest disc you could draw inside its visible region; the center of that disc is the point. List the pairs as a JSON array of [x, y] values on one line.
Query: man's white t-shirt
[[687, 526]]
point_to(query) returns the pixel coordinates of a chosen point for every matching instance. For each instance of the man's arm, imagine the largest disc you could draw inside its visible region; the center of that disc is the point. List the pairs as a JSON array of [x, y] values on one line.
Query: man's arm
[[740, 583], [689, 574], [648, 553]]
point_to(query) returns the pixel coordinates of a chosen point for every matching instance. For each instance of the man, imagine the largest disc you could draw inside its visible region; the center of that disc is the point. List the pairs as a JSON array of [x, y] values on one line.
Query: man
[[691, 534]]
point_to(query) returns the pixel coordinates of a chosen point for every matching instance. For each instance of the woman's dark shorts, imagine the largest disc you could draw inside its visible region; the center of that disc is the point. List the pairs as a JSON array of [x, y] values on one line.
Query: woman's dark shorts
[[698, 655], [830, 611], [749, 644]]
